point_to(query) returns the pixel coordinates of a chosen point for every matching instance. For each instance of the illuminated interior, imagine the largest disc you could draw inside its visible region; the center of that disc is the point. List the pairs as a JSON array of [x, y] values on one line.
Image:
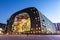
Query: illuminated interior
[[21, 23], [1, 31]]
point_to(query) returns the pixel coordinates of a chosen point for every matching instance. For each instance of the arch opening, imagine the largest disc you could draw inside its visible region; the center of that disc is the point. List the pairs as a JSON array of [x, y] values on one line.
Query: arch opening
[[22, 23]]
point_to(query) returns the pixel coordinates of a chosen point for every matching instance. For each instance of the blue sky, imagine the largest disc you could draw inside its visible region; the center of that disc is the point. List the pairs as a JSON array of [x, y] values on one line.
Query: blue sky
[[50, 8]]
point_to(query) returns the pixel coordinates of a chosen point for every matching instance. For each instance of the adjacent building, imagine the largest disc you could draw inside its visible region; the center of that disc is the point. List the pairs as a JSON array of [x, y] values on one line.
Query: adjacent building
[[57, 27], [2, 28]]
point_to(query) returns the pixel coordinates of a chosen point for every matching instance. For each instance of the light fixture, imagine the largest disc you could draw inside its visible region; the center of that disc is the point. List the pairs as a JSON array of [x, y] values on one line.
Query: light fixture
[[36, 18], [31, 28], [34, 12], [33, 31], [39, 28], [36, 31], [36, 28]]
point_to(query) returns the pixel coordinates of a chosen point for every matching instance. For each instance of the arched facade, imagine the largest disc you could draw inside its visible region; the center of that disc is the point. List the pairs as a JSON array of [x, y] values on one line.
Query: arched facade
[[22, 23], [30, 21], [28, 17]]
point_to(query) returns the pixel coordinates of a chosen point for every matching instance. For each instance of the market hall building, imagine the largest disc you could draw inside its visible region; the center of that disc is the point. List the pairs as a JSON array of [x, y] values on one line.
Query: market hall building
[[30, 21]]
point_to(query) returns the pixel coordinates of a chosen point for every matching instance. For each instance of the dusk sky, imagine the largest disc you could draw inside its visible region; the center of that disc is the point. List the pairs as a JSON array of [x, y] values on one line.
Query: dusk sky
[[50, 8]]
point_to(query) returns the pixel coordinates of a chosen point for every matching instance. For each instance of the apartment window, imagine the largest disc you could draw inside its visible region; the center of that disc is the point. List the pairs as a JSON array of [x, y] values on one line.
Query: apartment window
[[36, 28], [34, 11], [36, 24], [36, 18], [36, 31], [31, 28], [43, 20], [33, 31], [39, 28]]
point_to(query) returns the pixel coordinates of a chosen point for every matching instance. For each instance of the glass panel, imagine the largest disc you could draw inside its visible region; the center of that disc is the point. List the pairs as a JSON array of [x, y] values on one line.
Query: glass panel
[[0, 30], [21, 23]]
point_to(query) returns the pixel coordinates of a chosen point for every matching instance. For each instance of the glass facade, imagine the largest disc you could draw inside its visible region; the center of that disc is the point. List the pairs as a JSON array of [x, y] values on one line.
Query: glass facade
[[21, 23], [46, 25]]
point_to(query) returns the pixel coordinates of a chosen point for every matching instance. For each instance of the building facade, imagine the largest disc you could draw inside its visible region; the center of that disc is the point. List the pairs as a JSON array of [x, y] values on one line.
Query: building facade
[[30, 21], [3, 28], [57, 27]]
